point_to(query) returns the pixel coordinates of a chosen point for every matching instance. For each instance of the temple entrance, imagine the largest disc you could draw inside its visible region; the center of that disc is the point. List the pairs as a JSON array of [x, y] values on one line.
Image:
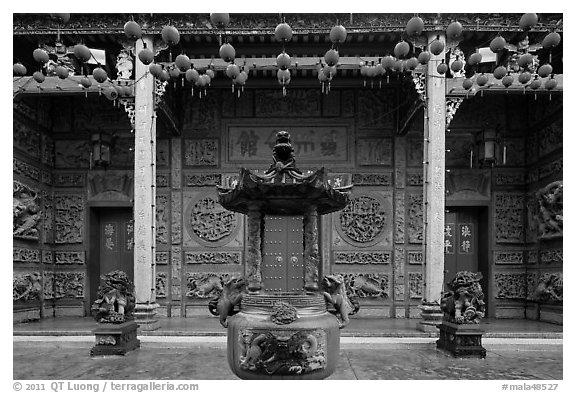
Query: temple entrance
[[282, 262], [112, 244]]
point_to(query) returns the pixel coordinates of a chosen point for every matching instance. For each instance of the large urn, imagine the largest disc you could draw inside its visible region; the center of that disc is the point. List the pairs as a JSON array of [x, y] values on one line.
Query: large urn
[[283, 329]]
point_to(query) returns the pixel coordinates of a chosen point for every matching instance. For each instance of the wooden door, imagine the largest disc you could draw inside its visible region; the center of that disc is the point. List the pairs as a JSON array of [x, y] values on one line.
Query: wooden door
[[116, 241], [460, 242], [282, 260]]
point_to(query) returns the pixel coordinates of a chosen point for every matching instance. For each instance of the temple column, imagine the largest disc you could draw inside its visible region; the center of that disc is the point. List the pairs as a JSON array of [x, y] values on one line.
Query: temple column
[[434, 190], [311, 253], [254, 249], [144, 194]]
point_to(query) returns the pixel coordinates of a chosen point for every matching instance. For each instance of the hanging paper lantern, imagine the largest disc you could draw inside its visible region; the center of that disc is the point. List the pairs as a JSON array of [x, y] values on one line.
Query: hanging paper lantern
[[201, 82], [551, 83], [388, 63], [227, 52], [132, 30], [85, 82], [99, 75], [210, 72], [524, 77], [155, 70], [40, 55], [401, 49], [283, 76], [424, 57], [456, 65], [412, 63], [442, 68], [331, 57], [527, 21], [170, 35], [454, 31], [525, 60], [182, 62], [283, 32], [536, 83], [164, 76], [220, 20], [110, 93], [62, 72], [39, 76], [192, 75], [467, 83], [283, 61], [482, 80], [380, 69], [544, 70], [206, 79], [323, 78], [399, 65], [551, 40], [414, 26], [19, 69], [241, 78], [174, 73], [475, 59], [82, 52], [64, 18], [500, 72], [232, 71], [497, 44], [329, 71], [436, 47], [507, 80], [338, 34], [146, 55], [363, 70]]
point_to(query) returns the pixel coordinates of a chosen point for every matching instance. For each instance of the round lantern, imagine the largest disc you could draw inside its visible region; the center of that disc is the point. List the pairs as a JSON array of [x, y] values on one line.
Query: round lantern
[[40, 55], [241, 78], [110, 93], [220, 20], [283, 61], [164, 76], [338, 34], [39, 76], [227, 52], [145, 55], [155, 70], [329, 71], [424, 57], [475, 59], [436, 47], [525, 60], [192, 75], [324, 78], [182, 62], [507, 80], [62, 72], [551, 40], [85, 82], [132, 30], [544, 70], [64, 18], [551, 83], [210, 72], [524, 77], [467, 83], [399, 66], [99, 75], [500, 72], [536, 83], [283, 32], [206, 78], [170, 35], [497, 44], [174, 73], [201, 82], [482, 80], [363, 70], [232, 71], [388, 63], [82, 52], [380, 69], [442, 68], [454, 30], [527, 21], [283, 76], [401, 49], [456, 65], [19, 69], [414, 26], [412, 63], [331, 57]]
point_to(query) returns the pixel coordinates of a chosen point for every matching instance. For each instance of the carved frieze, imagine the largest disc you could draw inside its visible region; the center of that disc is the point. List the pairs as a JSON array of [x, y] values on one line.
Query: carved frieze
[[162, 215], [161, 285], [202, 180], [532, 257], [511, 285], [208, 223], [510, 178], [69, 218], [532, 220], [47, 257], [362, 257], [399, 263], [111, 186], [415, 218], [24, 169], [550, 138], [415, 257], [176, 159], [553, 255], [415, 178], [213, 257], [508, 257], [69, 284], [370, 285], [26, 286], [300, 102], [552, 169], [509, 217], [26, 212], [162, 257], [201, 152], [26, 139], [162, 180], [176, 262], [25, 255], [48, 217], [204, 285], [399, 216], [48, 285], [372, 179], [549, 289], [73, 154], [70, 257], [365, 220], [69, 179], [551, 210], [415, 282], [176, 213], [374, 151], [376, 108]]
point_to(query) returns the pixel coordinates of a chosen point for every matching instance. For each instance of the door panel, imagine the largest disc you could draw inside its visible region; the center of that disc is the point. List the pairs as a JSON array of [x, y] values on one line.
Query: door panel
[[117, 241], [460, 242]]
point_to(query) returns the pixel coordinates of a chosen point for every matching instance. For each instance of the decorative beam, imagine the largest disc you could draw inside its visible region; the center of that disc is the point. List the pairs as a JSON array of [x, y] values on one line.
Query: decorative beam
[[494, 86]]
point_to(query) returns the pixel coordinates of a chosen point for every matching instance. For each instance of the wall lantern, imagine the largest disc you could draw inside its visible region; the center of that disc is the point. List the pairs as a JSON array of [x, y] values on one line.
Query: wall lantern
[[488, 140], [101, 145]]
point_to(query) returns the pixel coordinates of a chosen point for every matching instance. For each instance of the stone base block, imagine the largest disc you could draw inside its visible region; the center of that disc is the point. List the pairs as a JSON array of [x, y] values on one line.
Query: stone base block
[[26, 315], [551, 314], [431, 317], [115, 339], [461, 340], [69, 311]]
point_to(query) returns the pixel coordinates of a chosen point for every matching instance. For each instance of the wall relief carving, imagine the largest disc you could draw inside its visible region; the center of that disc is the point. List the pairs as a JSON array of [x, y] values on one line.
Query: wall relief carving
[[26, 139], [205, 285], [371, 285], [69, 219], [162, 180], [532, 257], [399, 216], [176, 281], [509, 217], [162, 257], [550, 288], [507, 178], [69, 179], [48, 285], [69, 284], [201, 152], [47, 150], [550, 138], [26, 286], [399, 258], [554, 255], [161, 285], [415, 281], [211, 257], [415, 178], [374, 151], [208, 223], [415, 152], [162, 219], [176, 222], [416, 218], [365, 220], [176, 159], [24, 169], [26, 212], [415, 257], [513, 285], [552, 169], [203, 116], [551, 210], [362, 257], [48, 217], [70, 257], [202, 180], [372, 179], [110, 186], [25, 255], [74, 154], [508, 257]]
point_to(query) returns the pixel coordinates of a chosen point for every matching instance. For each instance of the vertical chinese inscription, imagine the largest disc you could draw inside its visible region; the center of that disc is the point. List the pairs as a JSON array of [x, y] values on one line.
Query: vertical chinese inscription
[[466, 238], [449, 237]]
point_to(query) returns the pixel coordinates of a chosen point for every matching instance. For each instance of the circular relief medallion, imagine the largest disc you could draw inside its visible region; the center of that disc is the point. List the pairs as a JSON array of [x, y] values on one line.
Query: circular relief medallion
[[363, 221], [209, 223]]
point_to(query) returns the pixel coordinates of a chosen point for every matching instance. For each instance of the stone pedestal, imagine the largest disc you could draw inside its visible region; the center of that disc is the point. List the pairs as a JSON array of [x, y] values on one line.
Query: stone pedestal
[[115, 339], [461, 340], [431, 317]]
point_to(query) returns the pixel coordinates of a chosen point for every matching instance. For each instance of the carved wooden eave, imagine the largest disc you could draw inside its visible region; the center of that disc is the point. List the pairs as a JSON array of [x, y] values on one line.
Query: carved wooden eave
[[454, 87]]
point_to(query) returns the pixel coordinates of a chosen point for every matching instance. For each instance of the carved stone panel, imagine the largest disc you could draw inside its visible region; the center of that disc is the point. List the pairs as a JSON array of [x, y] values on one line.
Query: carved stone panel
[[70, 257], [162, 219], [69, 179], [48, 217], [162, 180], [25, 255], [511, 285], [415, 257], [176, 158], [382, 178], [300, 103], [74, 154], [69, 219], [415, 152], [161, 285], [415, 178], [213, 257], [26, 139], [508, 257], [399, 216], [48, 285], [415, 217], [203, 115], [69, 284], [47, 257], [509, 217], [371, 285], [415, 282], [399, 263], [47, 150], [532, 257], [202, 179], [532, 220], [176, 282], [374, 151], [553, 169], [26, 212], [204, 285], [24, 169], [553, 255], [162, 257], [26, 286], [362, 257], [201, 153], [176, 222], [510, 178]]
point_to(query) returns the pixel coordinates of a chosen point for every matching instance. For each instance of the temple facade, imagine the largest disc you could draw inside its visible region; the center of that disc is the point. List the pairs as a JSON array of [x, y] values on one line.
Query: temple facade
[[445, 178]]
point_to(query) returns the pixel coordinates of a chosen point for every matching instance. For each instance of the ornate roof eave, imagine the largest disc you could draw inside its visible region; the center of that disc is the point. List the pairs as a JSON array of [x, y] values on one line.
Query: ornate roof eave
[[454, 87]]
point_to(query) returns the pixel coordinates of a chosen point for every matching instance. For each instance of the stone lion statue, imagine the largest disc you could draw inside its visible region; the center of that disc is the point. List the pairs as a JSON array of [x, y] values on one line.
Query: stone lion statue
[[335, 294], [464, 303], [116, 302], [231, 296]]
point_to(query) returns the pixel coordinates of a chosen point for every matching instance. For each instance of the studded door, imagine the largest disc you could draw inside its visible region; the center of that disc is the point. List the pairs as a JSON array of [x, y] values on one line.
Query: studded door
[[283, 265]]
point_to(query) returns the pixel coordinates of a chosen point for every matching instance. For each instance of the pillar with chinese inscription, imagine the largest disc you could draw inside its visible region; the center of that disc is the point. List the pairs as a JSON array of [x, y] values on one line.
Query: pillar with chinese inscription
[[434, 190], [144, 194], [283, 329]]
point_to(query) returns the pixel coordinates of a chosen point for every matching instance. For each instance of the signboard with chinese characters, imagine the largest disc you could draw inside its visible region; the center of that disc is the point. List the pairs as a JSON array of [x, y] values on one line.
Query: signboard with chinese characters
[[466, 238], [449, 237]]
